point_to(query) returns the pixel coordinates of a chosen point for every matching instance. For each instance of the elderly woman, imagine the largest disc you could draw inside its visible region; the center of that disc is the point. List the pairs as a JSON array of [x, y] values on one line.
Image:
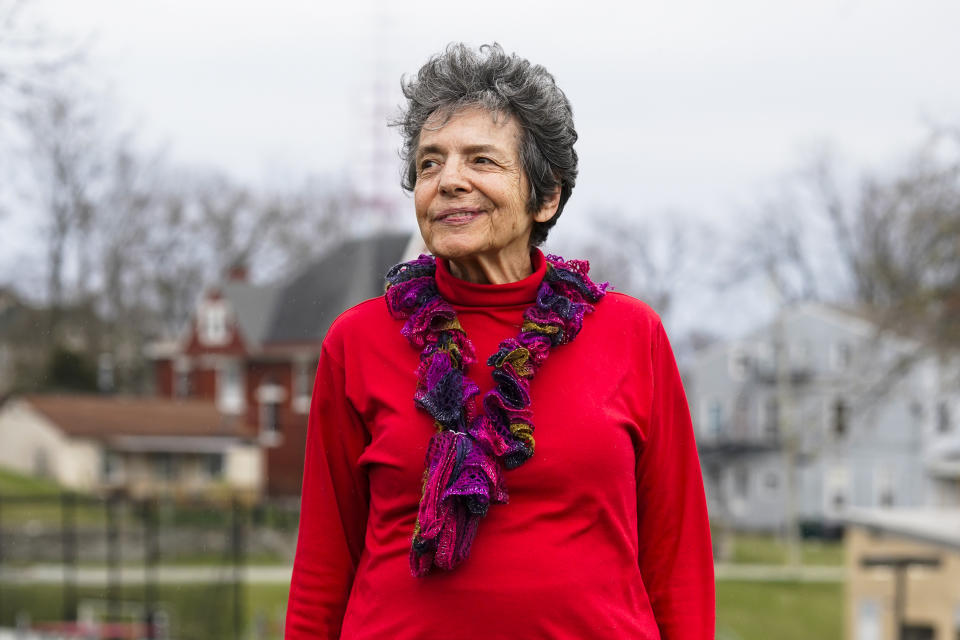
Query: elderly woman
[[498, 447]]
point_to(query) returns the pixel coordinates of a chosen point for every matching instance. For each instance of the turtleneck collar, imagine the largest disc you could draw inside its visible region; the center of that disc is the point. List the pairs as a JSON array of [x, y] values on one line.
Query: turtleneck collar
[[468, 294]]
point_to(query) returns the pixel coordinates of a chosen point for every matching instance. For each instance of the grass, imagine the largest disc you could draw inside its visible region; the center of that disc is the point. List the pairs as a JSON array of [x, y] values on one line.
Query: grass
[[786, 611], [767, 549], [199, 559], [745, 610], [195, 611], [13, 483]]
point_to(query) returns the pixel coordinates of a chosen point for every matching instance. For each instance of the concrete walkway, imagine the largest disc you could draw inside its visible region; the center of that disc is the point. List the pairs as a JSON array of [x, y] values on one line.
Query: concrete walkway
[[94, 576], [778, 573]]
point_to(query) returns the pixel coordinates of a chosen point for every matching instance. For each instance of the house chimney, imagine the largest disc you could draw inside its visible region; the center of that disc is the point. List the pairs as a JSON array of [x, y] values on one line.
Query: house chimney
[[237, 272]]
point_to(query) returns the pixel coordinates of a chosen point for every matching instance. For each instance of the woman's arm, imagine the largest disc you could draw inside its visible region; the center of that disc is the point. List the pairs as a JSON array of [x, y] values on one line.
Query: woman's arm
[[675, 554], [333, 508]]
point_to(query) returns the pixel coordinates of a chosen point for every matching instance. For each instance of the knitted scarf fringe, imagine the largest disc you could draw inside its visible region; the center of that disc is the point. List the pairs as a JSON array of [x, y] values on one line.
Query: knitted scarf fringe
[[469, 452]]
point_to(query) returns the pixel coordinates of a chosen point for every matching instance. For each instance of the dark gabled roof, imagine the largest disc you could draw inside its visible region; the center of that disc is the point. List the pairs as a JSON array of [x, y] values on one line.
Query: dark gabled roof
[[346, 275], [253, 305]]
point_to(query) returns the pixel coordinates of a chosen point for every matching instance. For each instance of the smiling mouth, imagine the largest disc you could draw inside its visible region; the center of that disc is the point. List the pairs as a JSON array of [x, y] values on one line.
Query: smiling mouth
[[457, 216]]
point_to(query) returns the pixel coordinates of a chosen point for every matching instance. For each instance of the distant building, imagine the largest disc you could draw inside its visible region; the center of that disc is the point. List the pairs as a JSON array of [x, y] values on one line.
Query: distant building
[[32, 351], [137, 446], [871, 427], [253, 349], [903, 570], [13, 321]]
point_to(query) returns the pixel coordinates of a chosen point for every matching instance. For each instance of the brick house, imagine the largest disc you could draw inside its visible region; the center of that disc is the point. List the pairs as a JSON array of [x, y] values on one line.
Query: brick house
[[253, 349]]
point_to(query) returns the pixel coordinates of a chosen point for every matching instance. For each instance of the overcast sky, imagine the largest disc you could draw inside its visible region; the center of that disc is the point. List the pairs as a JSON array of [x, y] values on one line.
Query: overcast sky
[[680, 106]]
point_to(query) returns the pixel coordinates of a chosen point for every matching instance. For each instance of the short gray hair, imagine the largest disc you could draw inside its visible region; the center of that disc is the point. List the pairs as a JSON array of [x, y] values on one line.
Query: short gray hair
[[461, 77]]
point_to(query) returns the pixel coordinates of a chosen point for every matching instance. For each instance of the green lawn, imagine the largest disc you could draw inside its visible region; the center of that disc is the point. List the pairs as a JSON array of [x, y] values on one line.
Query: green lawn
[[195, 611], [767, 549], [13, 483], [784, 610], [745, 610]]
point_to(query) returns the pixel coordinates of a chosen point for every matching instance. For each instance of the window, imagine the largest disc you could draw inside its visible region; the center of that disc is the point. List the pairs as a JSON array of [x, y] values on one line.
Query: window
[[741, 482], [213, 465], [715, 419], [270, 419], [883, 485], [886, 497], [771, 417], [840, 356], [213, 323], [739, 363], [230, 398], [837, 488], [110, 464], [772, 482], [766, 362], [840, 417], [916, 410], [868, 620], [838, 501], [943, 417], [164, 466], [303, 371], [182, 379]]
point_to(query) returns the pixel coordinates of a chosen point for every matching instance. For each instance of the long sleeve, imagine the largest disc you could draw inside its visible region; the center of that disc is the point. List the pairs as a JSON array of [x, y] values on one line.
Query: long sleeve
[[674, 533], [333, 508]]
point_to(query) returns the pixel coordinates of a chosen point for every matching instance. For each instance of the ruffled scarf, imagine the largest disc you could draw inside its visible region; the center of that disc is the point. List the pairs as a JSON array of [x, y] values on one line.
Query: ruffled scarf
[[470, 450]]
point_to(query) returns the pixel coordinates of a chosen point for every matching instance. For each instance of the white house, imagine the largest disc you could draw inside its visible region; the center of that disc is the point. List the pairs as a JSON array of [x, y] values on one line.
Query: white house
[[139, 446], [868, 420]]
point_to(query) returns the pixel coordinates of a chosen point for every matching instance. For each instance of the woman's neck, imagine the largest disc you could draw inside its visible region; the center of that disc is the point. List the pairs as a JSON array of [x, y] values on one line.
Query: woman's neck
[[496, 270]]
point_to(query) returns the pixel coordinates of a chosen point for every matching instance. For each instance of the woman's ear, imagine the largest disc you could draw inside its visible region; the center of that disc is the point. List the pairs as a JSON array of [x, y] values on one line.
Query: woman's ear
[[550, 206]]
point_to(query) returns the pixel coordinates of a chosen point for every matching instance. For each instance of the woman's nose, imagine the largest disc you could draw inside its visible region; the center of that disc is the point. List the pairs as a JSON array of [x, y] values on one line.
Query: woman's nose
[[452, 178]]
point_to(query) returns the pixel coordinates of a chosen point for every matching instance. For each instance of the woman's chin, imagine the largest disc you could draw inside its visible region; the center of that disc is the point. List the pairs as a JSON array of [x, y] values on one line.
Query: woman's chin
[[455, 249]]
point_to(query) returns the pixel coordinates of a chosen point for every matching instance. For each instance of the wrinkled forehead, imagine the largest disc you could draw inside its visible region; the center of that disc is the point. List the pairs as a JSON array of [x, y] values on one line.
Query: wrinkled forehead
[[469, 125], [442, 116]]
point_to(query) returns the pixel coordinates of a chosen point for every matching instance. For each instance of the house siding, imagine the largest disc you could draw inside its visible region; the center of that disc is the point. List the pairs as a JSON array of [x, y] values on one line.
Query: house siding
[[878, 457]]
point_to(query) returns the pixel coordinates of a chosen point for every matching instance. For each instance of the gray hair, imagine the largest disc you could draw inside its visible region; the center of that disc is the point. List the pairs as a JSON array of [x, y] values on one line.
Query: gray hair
[[461, 77]]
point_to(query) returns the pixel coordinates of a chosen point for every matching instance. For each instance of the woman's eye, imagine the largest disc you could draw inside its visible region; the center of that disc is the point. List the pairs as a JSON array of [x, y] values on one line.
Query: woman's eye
[[483, 160], [427, 164]]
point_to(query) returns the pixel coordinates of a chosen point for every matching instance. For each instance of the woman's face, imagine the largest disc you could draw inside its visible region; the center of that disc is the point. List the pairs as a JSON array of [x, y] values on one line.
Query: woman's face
[[471, 192]]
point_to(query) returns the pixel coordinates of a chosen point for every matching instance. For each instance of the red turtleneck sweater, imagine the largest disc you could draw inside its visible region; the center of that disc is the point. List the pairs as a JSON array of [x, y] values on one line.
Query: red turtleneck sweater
[[605, 535]]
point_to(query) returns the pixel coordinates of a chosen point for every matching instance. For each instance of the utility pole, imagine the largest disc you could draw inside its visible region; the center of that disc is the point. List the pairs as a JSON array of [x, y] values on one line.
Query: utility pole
[[788, 438]]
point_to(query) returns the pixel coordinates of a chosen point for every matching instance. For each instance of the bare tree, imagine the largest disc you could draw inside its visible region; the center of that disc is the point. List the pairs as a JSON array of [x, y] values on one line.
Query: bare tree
[[31, 56], [649, 260], [274, 230], [775, 242], [315, 215], [33, 61], [67, 166], [888, 245]]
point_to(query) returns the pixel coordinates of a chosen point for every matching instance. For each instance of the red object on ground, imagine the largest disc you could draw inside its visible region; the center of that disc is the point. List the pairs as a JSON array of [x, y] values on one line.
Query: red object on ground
[[108, 630]]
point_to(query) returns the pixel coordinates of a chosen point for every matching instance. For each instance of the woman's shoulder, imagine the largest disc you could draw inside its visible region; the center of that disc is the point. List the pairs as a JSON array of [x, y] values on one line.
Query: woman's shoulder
[[618, 318], [620, 307], [366, 319]]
